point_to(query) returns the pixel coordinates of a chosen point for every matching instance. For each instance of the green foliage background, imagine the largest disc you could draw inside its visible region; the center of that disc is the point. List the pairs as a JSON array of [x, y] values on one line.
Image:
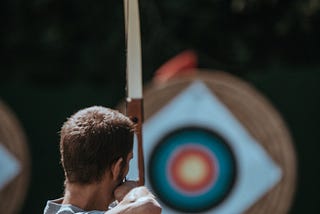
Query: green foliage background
[[59, 56]]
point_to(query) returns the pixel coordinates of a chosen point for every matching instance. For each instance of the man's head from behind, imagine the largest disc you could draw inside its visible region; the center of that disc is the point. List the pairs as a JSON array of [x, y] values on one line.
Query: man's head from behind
[[92, 140]]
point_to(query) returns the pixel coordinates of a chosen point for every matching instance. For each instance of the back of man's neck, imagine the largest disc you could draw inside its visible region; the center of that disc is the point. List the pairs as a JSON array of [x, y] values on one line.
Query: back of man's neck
[[87, 197]]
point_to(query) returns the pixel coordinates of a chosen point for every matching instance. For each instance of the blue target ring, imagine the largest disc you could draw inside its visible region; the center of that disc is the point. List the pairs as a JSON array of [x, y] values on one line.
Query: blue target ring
[[192, 169]]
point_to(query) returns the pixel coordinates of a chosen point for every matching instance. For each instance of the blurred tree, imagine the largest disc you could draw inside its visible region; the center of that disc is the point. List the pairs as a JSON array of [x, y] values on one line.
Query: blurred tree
[[54, 41]]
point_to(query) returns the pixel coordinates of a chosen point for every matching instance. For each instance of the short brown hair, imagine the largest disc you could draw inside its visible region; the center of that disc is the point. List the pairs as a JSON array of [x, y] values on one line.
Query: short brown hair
[[91, 140]]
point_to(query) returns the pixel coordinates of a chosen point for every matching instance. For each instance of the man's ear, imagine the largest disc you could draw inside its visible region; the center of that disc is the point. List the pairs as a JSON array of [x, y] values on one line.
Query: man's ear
[[116, 169]]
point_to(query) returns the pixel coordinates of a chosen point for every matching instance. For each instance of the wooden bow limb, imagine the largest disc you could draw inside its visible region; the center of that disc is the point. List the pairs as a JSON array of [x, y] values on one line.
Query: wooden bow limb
[[134, 76], [135, 112]]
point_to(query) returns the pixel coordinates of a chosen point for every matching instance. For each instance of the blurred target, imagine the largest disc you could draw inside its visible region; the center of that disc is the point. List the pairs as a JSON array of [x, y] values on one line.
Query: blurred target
[[192, 169], [14, 162], [212, 143]]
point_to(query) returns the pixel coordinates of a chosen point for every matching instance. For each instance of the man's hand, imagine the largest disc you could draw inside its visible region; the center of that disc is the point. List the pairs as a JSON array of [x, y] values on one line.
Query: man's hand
[[138, 201], [123, 189]]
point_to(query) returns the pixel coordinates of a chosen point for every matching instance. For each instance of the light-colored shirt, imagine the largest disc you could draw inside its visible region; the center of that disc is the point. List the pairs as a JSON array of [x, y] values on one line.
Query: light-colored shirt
[[56, 207]]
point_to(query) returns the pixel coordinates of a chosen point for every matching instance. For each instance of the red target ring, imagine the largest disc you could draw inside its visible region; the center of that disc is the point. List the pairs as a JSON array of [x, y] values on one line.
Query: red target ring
[[192, 169]]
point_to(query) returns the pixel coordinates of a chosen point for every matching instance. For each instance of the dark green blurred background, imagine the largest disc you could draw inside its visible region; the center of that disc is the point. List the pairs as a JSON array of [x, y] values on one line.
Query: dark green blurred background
[[59, 56]]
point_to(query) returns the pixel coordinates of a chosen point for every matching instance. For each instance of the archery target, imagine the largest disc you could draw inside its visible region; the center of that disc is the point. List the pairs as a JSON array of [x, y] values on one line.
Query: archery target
[[192, 169], [14, 161], [212, 144]]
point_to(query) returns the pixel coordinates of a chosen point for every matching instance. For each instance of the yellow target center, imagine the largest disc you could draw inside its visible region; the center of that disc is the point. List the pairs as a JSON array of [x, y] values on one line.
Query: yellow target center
[[193, 169]]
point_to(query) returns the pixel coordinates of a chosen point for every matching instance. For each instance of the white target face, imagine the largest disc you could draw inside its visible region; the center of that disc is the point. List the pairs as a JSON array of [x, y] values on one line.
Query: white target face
[[199, 158], [9, 166]]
